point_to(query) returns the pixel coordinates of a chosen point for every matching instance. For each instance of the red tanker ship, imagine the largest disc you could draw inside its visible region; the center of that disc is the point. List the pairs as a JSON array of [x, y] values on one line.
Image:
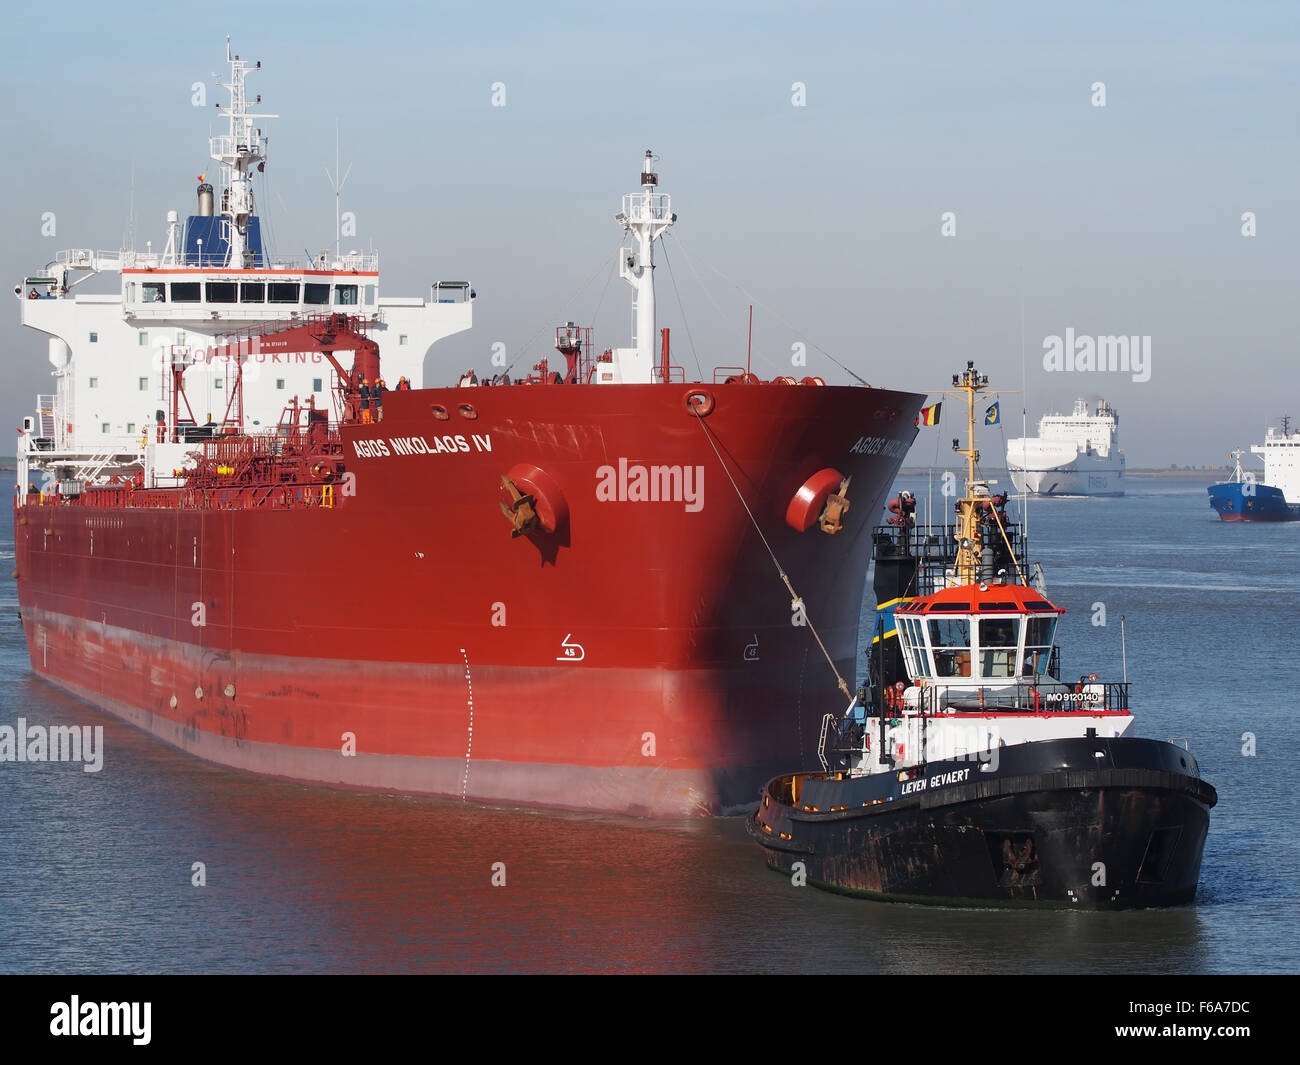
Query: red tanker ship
[[604, 589]]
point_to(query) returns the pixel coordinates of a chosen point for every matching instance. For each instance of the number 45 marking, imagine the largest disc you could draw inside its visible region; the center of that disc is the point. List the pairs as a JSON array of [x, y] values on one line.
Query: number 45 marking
[[573, 652]]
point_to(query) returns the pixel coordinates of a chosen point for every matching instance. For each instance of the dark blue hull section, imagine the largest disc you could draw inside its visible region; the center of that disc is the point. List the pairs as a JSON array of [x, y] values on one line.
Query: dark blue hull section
[[1247, 501]]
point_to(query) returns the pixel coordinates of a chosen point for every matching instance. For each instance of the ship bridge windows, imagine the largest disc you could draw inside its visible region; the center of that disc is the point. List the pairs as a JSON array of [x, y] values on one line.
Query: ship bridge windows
[[314, 292], [282, 292], [950, 638], [345, 295], [1038, 644], [252, 292], [912, 642], [185, 292], [221, 291], [153, 292], [999, 640]]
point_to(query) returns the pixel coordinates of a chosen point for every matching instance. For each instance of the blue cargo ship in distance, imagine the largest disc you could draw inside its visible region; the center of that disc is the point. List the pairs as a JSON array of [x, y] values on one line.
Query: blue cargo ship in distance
[[1275, 497]]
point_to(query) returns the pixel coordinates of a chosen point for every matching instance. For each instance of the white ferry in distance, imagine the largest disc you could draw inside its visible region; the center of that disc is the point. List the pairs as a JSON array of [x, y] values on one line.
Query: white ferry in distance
[[1073, 455]]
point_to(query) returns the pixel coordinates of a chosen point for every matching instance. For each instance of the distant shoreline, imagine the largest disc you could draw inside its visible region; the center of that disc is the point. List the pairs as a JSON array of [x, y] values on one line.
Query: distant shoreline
[[1210, 476]]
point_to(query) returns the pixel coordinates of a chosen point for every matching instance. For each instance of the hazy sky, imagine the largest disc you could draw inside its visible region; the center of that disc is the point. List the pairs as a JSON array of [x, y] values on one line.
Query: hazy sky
[[1122, 219]]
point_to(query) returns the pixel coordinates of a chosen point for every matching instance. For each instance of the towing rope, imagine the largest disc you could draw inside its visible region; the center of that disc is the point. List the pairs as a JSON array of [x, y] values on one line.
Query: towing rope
[[795, 601]]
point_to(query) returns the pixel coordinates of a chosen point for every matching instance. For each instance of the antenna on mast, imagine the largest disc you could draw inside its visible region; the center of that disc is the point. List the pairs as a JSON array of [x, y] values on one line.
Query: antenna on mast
[[1024, 416], [239, 152], [337, 185], [976, 500], [130, 213]]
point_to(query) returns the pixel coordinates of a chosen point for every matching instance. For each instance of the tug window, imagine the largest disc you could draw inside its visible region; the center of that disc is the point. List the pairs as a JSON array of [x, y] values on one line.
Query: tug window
[[916, 637], [950, 639], [1038, 645], [999, 639], [905, 641]]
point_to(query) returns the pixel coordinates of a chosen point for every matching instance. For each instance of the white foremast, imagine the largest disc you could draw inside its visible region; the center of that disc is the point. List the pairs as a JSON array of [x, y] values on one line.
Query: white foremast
[[645, 215], [238, 152]]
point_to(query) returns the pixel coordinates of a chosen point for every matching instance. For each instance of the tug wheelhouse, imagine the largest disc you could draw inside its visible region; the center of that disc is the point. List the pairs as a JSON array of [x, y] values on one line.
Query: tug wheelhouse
[[982, 635]]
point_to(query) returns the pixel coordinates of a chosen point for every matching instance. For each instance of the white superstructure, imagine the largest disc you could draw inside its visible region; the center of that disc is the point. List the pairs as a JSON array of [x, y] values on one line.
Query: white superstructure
[[1281, 451], [645, 215], [1073, 454], [112, 354]]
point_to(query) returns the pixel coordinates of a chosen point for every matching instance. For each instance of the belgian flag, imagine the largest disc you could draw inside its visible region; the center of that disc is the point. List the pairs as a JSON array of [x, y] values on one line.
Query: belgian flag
[[929, 415]]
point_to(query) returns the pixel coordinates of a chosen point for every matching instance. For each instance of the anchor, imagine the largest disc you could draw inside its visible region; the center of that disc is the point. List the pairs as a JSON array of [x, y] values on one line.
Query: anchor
[[837, 506], [520, 510]]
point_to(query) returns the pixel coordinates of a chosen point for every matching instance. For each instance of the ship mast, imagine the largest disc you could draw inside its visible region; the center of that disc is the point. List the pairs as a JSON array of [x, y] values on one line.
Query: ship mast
[[969, 384], [975, 504], [1237, 474], [238, 152], [645, 215]]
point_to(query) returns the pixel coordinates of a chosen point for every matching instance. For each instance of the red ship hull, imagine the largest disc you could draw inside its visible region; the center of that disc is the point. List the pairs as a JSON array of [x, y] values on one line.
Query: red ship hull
[[644, 659]]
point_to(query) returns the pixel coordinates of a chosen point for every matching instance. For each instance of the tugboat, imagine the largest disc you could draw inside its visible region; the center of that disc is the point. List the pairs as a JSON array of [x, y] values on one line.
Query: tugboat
[[970, 771]]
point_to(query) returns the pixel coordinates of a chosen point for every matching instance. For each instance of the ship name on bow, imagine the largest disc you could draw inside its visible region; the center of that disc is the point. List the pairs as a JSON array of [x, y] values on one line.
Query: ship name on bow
[[419, 445], [879, 445], [939, 780]]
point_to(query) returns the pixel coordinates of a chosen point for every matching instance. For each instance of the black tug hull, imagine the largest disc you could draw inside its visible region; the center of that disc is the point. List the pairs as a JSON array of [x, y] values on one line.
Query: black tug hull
[[1099, 823]]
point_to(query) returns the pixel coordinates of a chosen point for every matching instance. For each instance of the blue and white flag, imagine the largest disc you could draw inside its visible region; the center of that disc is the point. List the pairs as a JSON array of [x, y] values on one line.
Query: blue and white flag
[[992, 415]]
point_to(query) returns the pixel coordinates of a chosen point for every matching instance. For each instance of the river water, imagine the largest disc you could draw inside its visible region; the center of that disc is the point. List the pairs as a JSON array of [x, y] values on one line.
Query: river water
[[96, 869]]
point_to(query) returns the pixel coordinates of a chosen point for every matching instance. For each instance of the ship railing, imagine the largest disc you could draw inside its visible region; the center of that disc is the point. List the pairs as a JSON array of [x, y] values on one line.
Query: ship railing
[[647, 206], [238, 450], [352, 262], [451, 292], [1052, 698], [129, 259], [843, 746], [121, 259], [223, 144], [938, 542], [291, 495], [934, 548]]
